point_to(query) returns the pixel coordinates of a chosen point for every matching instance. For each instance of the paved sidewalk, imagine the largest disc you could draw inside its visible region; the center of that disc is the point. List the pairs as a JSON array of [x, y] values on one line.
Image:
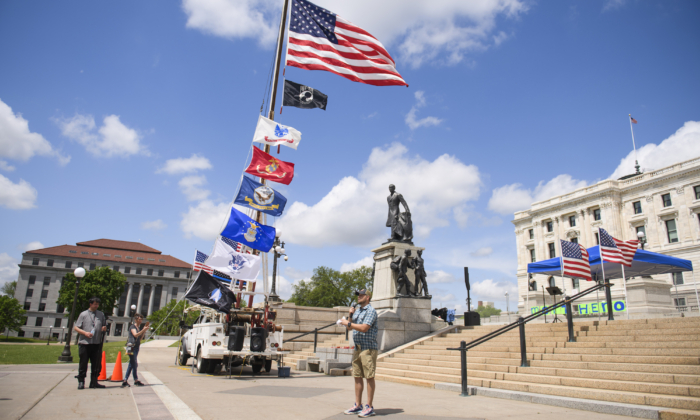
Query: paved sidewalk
[[172, 392]]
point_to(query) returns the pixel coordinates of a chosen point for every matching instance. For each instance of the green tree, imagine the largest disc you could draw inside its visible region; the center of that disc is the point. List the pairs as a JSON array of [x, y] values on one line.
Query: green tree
[[328, 287], [485, 311], [11, 314], [105, 283], [166, 320], [9, 288]]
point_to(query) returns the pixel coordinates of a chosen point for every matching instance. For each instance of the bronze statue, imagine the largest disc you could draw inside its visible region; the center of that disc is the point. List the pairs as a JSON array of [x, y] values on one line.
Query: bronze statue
[[400, 266], [400, 223], [421, 282]]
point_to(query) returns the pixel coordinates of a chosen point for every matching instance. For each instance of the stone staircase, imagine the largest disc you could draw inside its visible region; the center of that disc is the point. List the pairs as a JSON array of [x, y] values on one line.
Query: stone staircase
[[652, 362]]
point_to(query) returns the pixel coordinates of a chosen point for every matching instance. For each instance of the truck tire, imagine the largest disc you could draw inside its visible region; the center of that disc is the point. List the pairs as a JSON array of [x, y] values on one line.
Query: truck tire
[[268, 365], [201, 365], [183, 356], [257, 368]]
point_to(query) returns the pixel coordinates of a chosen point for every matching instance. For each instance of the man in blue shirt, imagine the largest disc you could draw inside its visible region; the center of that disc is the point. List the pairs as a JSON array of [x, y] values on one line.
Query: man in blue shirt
[[363, 322]]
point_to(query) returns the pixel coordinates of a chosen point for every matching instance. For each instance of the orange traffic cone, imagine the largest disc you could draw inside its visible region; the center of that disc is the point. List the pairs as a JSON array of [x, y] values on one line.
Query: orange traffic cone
[[117, 375], [103, 373]]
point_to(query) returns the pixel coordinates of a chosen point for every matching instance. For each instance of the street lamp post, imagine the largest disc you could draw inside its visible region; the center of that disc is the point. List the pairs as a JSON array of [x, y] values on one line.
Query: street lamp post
[[507, 308], [277, 249], [641, 236], [65, 356]]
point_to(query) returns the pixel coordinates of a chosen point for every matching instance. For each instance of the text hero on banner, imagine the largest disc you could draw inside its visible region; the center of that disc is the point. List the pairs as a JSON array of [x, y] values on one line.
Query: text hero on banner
[[243, 229], [236, 264], [275, 134], [267, 167], [260, 197]]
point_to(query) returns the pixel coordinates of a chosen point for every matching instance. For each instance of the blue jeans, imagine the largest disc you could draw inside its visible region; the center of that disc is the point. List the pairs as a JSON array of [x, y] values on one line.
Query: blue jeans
[[133, 365]]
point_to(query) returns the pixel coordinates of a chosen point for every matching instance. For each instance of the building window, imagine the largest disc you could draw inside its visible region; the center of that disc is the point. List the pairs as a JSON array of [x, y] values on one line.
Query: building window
[[146, 297], [552, 250], [149, 272], [151, 259], [574, 240], [39, 321], [115, 268], [138, 270], [677, 278], [60, 309], [574, 282], [35, 261], [117, 256], [156, 297], [139, 258], [36, 334], [129, 258], [532, 233], [134, 298], [188, 274], [161, 273], [550, 226], [596, 214], [44, 294], [30, 293], [672, 232], [666, 200], [27, 305], [106, 255], [174, 294], [21, 333], [57, 323], [697, 192], [572, 221], [597, 238], [161, 260], [95, 253], [532, 255], [176, 274], [84, 252], [643, 230], [42, 307], [127, 270], [49, 263], [532, 284], [69, 264], [679, 301], [637, 206], [72, 251], [118, 330], [551, 281], [122, 301], [32, 279], [81, 264], [104, 265], [47, 281]]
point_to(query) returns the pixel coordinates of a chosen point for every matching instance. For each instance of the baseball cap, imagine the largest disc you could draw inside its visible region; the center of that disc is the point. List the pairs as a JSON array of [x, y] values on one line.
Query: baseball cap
[[360, 292]]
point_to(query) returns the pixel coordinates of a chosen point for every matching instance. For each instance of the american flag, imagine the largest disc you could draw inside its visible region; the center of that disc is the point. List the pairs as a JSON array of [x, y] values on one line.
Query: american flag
[[199, 260], [575, 260], [237, 246], [633, 120], [321, 40], [627, 249], [608, 248]]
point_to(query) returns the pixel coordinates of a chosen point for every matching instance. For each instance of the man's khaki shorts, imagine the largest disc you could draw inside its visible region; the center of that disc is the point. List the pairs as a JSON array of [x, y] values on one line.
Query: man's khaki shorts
[[364, 363]]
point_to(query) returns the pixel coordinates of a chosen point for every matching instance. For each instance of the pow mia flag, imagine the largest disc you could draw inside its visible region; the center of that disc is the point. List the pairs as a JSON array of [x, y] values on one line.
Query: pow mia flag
[[301, 96]]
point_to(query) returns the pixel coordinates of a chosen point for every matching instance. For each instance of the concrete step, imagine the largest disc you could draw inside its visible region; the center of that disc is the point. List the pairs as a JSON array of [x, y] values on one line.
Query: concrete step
[[621, 351]]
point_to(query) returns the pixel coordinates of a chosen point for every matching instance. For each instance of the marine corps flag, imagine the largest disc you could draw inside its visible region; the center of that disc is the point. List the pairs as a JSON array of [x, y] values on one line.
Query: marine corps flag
[[260, 197], [301, 96], [267, 167], [210, 292]]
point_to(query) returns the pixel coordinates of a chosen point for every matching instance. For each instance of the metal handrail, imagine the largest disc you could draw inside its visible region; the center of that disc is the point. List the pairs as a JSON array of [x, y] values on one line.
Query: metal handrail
[[314, 332], [520, 323]]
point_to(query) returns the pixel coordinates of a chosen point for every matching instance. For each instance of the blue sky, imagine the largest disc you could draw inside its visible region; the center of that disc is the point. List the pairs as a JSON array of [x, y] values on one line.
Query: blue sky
[[132, 120]]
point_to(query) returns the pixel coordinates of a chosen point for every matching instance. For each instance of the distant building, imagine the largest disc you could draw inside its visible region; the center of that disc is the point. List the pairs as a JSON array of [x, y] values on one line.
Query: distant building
[[485, 304], [153, 280], [663, 204]]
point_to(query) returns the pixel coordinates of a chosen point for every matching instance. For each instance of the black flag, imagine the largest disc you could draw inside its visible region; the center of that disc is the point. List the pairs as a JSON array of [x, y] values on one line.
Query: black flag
[[210, 292], [301, 96]]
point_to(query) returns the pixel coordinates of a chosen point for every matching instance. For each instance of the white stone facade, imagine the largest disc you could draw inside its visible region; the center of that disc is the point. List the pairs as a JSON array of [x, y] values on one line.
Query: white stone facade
[[614, 201]]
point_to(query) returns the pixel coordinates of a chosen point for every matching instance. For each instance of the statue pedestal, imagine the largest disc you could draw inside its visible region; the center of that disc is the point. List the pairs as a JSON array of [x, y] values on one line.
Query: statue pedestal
[[400, 319], [647, 295]]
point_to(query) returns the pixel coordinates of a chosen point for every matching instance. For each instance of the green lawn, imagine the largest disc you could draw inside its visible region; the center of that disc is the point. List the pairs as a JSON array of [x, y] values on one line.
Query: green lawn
[[24, 340], [175, 344], [33, 354]]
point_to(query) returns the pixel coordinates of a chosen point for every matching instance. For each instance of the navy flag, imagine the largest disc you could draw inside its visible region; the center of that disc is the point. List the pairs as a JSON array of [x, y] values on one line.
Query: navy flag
[[301, 96], [260, 197], [243, 229], [210, 292]]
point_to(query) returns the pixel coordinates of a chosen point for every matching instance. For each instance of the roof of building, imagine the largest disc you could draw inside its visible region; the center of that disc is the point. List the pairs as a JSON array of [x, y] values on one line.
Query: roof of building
[[124, 252]]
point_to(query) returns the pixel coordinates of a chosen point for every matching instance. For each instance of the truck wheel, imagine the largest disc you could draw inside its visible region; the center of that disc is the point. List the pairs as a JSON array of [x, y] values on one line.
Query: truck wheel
[[257, 368], [268, 366], [183, 356], [201, 365]]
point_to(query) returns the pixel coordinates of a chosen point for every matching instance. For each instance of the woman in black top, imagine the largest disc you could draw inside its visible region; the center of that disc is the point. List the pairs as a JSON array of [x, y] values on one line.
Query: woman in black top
[[136, 332]]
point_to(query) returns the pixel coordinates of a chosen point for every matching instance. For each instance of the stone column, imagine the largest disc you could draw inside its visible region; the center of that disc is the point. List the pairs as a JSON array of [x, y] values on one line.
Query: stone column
[[138, 303], [150, 299], [127, 310]]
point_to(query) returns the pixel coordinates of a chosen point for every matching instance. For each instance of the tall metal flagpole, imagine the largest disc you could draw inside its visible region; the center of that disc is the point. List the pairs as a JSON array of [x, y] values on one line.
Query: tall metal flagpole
[[608, 292], [624, 283], [561, 267], [634, 146]]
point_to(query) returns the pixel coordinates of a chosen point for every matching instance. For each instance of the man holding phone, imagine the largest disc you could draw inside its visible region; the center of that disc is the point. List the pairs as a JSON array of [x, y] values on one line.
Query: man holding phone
[[90, 325], [363, 322]]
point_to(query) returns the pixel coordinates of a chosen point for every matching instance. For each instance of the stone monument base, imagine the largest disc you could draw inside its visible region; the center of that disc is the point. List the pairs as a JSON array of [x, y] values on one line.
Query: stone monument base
[[647, 295]]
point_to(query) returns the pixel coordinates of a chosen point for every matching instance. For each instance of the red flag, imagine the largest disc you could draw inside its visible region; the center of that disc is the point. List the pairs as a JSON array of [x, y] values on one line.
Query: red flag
[[265, 166]]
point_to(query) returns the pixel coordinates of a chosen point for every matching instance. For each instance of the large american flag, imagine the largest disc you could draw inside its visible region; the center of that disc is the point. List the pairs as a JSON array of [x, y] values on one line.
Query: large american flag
[[575, 260], [627, 249], [321, 40], [199, 265], [611, 252]]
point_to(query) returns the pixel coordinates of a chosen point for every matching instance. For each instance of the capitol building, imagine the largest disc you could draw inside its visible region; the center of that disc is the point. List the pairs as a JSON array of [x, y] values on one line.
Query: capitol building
[[664, 205]]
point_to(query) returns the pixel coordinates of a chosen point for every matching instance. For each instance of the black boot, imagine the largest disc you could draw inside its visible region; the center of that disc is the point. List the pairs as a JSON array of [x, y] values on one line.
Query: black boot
[[94, 383], [81, 385]]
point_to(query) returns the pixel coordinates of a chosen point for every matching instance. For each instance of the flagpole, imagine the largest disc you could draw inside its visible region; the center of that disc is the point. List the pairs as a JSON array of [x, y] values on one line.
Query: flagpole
[[634, 146], [561, 269], [608, 297], [624, 284]]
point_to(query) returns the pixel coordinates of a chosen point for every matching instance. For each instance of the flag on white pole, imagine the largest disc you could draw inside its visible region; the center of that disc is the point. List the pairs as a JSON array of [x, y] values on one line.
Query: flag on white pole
[[235, 264], [274, 134]]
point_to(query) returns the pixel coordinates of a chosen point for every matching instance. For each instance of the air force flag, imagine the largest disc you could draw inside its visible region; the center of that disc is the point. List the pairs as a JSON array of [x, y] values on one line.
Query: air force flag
[[275, 134], [260, 197], [243, 229], [235, 264]]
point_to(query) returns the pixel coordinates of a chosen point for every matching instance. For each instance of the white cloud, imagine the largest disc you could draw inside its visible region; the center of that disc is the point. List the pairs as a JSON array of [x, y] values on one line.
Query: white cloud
[[17, 142], [296, 274], [4, 166], [154, 225], [417, 31], [613, 5], [439, 276], [442, 298], [205, 220], [354, 212], [20, 196], [489, 289], [682, 145], [113, 138], [30, 246], [283, 287], [482, 252], [191, 186], [9, 270], [365, 262], [514, 197], [411, 120], [464, 216], [191, 164]]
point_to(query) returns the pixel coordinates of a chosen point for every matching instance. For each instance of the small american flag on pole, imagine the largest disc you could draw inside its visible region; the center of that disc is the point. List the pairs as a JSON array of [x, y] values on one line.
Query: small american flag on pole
[[574, 258], [608, 248], [237, 246], [199, 265], [633, 120], [627, 249], [321, 40]]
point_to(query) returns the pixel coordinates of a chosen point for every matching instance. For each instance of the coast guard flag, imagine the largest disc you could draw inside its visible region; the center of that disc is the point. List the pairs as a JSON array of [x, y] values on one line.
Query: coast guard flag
[[260, 197], [237, 265], [574, 259], [275, 134], [267, 167], [210, 292], [243, 229]]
